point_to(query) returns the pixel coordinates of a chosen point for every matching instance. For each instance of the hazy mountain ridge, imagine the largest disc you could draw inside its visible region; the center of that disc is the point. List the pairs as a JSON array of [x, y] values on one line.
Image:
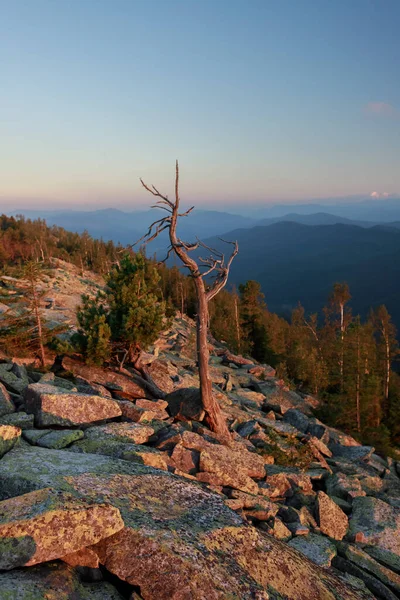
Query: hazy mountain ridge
[[319, 218], [128, 227]]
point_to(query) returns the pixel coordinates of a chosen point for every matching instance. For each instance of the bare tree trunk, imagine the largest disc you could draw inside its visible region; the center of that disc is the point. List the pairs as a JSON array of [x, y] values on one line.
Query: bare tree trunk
[[38, 325], [141, 374], [377, 411], [341, 346], [358, 386], [180, 287], [237, 324], [387, 369], [214, 415]]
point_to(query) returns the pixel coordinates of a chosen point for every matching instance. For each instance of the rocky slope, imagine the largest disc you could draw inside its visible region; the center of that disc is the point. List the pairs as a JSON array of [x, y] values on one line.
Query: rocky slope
[[63, 286], [107, 492]]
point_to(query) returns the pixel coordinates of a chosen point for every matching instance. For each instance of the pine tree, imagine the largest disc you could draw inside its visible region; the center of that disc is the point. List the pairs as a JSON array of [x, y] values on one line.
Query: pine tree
[[225, 323], [23, 328], [32, 272], [388, 350], [305, 357], [338, 318], [361, 404], [94, 334], [127, 317], [253, 312]]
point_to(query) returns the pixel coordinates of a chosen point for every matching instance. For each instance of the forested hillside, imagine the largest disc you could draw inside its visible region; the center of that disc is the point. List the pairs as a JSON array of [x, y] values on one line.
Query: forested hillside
[[25, 239], [295, 262], [110, 409], [349, 361]]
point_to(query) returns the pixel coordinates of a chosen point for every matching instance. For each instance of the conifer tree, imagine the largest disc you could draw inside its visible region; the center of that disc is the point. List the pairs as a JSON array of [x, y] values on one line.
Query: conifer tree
[[23, 328], [126, 317], [254, 322], [32, 273], [94, 334], [306, 360], [361, 403], [337, 321], [225, 321], [388, 349]]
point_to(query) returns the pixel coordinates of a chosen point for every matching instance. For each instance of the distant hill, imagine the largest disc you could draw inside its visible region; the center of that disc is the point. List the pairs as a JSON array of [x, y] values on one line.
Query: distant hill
[[382, 210], [319, 218], [295, 262], [128, 227]]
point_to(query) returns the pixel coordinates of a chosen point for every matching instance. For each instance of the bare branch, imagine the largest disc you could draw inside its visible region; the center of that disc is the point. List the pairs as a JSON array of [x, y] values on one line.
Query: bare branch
[[189, 247], [156, 233], [212, 250], [185, 214], [177, 187], [154, 191], [162, 207], [149, 236], [170, 249], [222, 277], [212, 268]]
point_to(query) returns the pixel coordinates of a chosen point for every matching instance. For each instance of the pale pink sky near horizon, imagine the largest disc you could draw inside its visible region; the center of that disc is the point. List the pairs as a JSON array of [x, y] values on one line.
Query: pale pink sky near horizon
[[100, 202]]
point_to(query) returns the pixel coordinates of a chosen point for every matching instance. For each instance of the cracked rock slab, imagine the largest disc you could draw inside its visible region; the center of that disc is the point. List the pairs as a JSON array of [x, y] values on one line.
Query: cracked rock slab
[[45, 524], [316, 547], [54, 406], [53, 581]]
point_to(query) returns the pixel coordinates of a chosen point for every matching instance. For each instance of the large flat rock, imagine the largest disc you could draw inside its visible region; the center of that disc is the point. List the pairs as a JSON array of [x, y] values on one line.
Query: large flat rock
[[368, 563], [131, 452], [53, 581], [54, 406], [46, 524], [180, 541], [134, 433], [375, 523], [18, 419], [11, 381], [105, 377], [316, 547], [331, 519], [60, 439]]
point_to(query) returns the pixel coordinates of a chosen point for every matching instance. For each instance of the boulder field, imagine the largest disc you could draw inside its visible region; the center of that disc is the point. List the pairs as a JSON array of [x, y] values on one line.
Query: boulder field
[[109, 493]]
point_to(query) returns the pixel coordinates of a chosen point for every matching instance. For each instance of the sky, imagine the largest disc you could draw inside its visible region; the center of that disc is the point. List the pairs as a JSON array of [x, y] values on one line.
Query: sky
[[260, 100]]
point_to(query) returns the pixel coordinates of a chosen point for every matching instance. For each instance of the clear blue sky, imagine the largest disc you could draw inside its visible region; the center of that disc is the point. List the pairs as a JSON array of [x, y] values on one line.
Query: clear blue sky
[[261, 100]]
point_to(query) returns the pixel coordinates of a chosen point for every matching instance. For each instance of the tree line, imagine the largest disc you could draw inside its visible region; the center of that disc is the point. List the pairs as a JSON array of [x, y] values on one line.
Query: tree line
[[347, 362], [23, 240]]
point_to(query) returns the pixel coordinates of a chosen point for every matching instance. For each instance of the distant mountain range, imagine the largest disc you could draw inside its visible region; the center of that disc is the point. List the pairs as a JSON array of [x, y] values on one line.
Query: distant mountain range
[[383, 210], [127, 227], [296, 256], [318, 218]]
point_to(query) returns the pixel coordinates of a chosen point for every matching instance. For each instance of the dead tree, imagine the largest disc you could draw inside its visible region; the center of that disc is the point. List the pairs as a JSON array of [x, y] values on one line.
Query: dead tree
[[32, 274], [214, 265]]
